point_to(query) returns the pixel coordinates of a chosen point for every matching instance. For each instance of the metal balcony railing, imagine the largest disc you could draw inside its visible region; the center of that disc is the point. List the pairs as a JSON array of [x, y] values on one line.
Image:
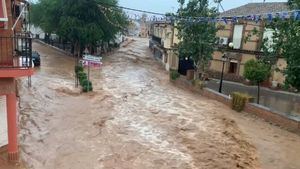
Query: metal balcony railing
[[15, 52]]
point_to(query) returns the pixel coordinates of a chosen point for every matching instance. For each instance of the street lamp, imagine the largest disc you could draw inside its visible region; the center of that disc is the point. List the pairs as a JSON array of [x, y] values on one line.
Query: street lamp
[[224, 59], [231, 45]]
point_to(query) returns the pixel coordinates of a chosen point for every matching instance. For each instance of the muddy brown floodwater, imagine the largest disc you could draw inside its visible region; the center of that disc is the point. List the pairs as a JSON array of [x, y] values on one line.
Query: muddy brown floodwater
[[136, 119]]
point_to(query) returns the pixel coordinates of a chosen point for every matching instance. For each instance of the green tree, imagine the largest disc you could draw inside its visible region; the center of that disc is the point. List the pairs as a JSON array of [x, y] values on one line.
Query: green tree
[[257, 72], [286, 43], [45, 14], [197, 36], [295, 4], [85, 23]]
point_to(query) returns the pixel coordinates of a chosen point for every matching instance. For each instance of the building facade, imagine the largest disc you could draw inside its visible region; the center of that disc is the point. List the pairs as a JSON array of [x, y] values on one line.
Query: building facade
[[15, 62], [163, 43], [246, 46], [144, 30]]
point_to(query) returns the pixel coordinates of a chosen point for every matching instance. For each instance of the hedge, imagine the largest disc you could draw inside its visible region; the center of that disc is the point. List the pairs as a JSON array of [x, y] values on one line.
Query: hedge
[[83, 79]]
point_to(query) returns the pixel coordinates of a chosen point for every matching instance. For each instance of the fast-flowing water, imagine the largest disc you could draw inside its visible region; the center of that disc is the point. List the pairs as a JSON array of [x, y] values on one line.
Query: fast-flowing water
[[134, 119]]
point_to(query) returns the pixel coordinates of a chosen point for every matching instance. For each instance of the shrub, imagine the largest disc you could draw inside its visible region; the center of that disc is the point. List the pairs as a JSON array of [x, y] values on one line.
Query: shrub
[[87, 88], [78, 69], [86, 82], [174, 74], [82, 76], [239, 101], [83, 80]]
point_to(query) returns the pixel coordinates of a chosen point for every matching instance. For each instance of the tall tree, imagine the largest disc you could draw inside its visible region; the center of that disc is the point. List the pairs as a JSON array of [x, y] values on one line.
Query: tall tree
[[197, 36], [83, 22], [286, 43]]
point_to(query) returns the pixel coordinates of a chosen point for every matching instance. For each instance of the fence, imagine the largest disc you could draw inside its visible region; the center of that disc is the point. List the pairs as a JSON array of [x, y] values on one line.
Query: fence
[[15, 52]]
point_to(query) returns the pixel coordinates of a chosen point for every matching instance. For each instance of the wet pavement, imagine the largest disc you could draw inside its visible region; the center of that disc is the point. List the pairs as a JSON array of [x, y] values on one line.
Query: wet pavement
[[279, 101], [136, 119]]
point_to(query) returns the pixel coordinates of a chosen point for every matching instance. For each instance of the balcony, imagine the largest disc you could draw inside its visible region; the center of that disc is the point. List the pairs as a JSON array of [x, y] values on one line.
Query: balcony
[[15, 57]]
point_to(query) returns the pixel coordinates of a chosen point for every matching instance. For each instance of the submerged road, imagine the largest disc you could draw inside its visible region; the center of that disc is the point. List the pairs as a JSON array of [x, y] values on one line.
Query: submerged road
[[136, 119]]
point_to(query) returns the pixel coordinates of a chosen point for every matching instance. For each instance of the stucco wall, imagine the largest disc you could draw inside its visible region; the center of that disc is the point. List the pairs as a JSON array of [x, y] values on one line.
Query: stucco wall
[[278, 76], [3, 121]]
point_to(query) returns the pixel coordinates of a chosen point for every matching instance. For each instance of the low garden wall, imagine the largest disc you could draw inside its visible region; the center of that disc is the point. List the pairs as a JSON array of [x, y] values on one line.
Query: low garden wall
[[288, 122]]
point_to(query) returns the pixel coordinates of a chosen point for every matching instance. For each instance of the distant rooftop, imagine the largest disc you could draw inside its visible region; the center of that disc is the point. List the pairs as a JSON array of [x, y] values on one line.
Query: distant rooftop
[[256, 8]]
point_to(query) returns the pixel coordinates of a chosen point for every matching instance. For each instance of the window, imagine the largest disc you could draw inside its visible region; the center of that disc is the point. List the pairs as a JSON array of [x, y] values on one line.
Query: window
[[237, 36], [233, 67]]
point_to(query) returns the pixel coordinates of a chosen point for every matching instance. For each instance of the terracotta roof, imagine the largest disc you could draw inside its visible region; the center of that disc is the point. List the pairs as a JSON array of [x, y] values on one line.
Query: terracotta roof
[[256, 8]]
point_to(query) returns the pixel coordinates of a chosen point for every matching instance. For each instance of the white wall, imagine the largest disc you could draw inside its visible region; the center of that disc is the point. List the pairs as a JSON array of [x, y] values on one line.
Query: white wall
[[37, 31], [3, 122]]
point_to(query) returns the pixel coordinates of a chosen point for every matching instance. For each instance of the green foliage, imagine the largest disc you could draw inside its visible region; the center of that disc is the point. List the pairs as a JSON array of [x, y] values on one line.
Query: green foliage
[[78, 69], [87, 88], [294, 4], [256, 71], [83, 80], [197, 39], [174, 74], [286, 43], [83, 22], [81, 75], [86, 82], [239, 101]]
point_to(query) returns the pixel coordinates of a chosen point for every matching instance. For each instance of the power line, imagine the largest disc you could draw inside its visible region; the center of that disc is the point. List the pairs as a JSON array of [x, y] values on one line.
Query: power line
[[132, 9]]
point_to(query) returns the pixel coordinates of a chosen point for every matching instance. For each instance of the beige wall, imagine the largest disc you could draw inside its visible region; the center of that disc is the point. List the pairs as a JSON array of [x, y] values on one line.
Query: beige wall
[[176, 40], [216, 63], [167, 37], [166, 31], [278, 76]]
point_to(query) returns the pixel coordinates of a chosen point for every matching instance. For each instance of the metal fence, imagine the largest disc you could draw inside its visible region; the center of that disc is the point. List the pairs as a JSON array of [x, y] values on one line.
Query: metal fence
[[15, 52]]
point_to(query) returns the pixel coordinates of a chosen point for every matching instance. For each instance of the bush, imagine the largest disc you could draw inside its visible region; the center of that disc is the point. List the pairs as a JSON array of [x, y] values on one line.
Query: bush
[[81, 75], [174, 74], [83, 79], [78, 69], [86, 82], [87, 88], [239, 101]]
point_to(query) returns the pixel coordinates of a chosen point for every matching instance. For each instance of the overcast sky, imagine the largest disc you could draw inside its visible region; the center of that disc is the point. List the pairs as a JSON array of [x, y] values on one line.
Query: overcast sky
[[163, 6]]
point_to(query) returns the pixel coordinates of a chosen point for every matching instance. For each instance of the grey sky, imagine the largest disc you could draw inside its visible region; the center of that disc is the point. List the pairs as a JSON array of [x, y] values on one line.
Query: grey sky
[[163, 6]]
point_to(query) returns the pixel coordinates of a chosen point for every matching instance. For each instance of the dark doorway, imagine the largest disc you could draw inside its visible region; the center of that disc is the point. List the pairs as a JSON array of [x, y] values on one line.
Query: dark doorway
[[233, 68], [184, 65]]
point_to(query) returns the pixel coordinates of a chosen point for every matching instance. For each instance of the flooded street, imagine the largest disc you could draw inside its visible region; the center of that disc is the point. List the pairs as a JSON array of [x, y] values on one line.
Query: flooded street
[[137, 119]]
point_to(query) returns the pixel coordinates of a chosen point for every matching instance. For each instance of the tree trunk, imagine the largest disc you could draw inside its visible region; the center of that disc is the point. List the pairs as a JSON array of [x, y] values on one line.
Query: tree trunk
[[258, 92]]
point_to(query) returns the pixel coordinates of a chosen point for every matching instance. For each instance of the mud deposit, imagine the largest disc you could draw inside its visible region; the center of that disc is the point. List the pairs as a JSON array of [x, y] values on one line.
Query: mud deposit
[[135, 119]]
